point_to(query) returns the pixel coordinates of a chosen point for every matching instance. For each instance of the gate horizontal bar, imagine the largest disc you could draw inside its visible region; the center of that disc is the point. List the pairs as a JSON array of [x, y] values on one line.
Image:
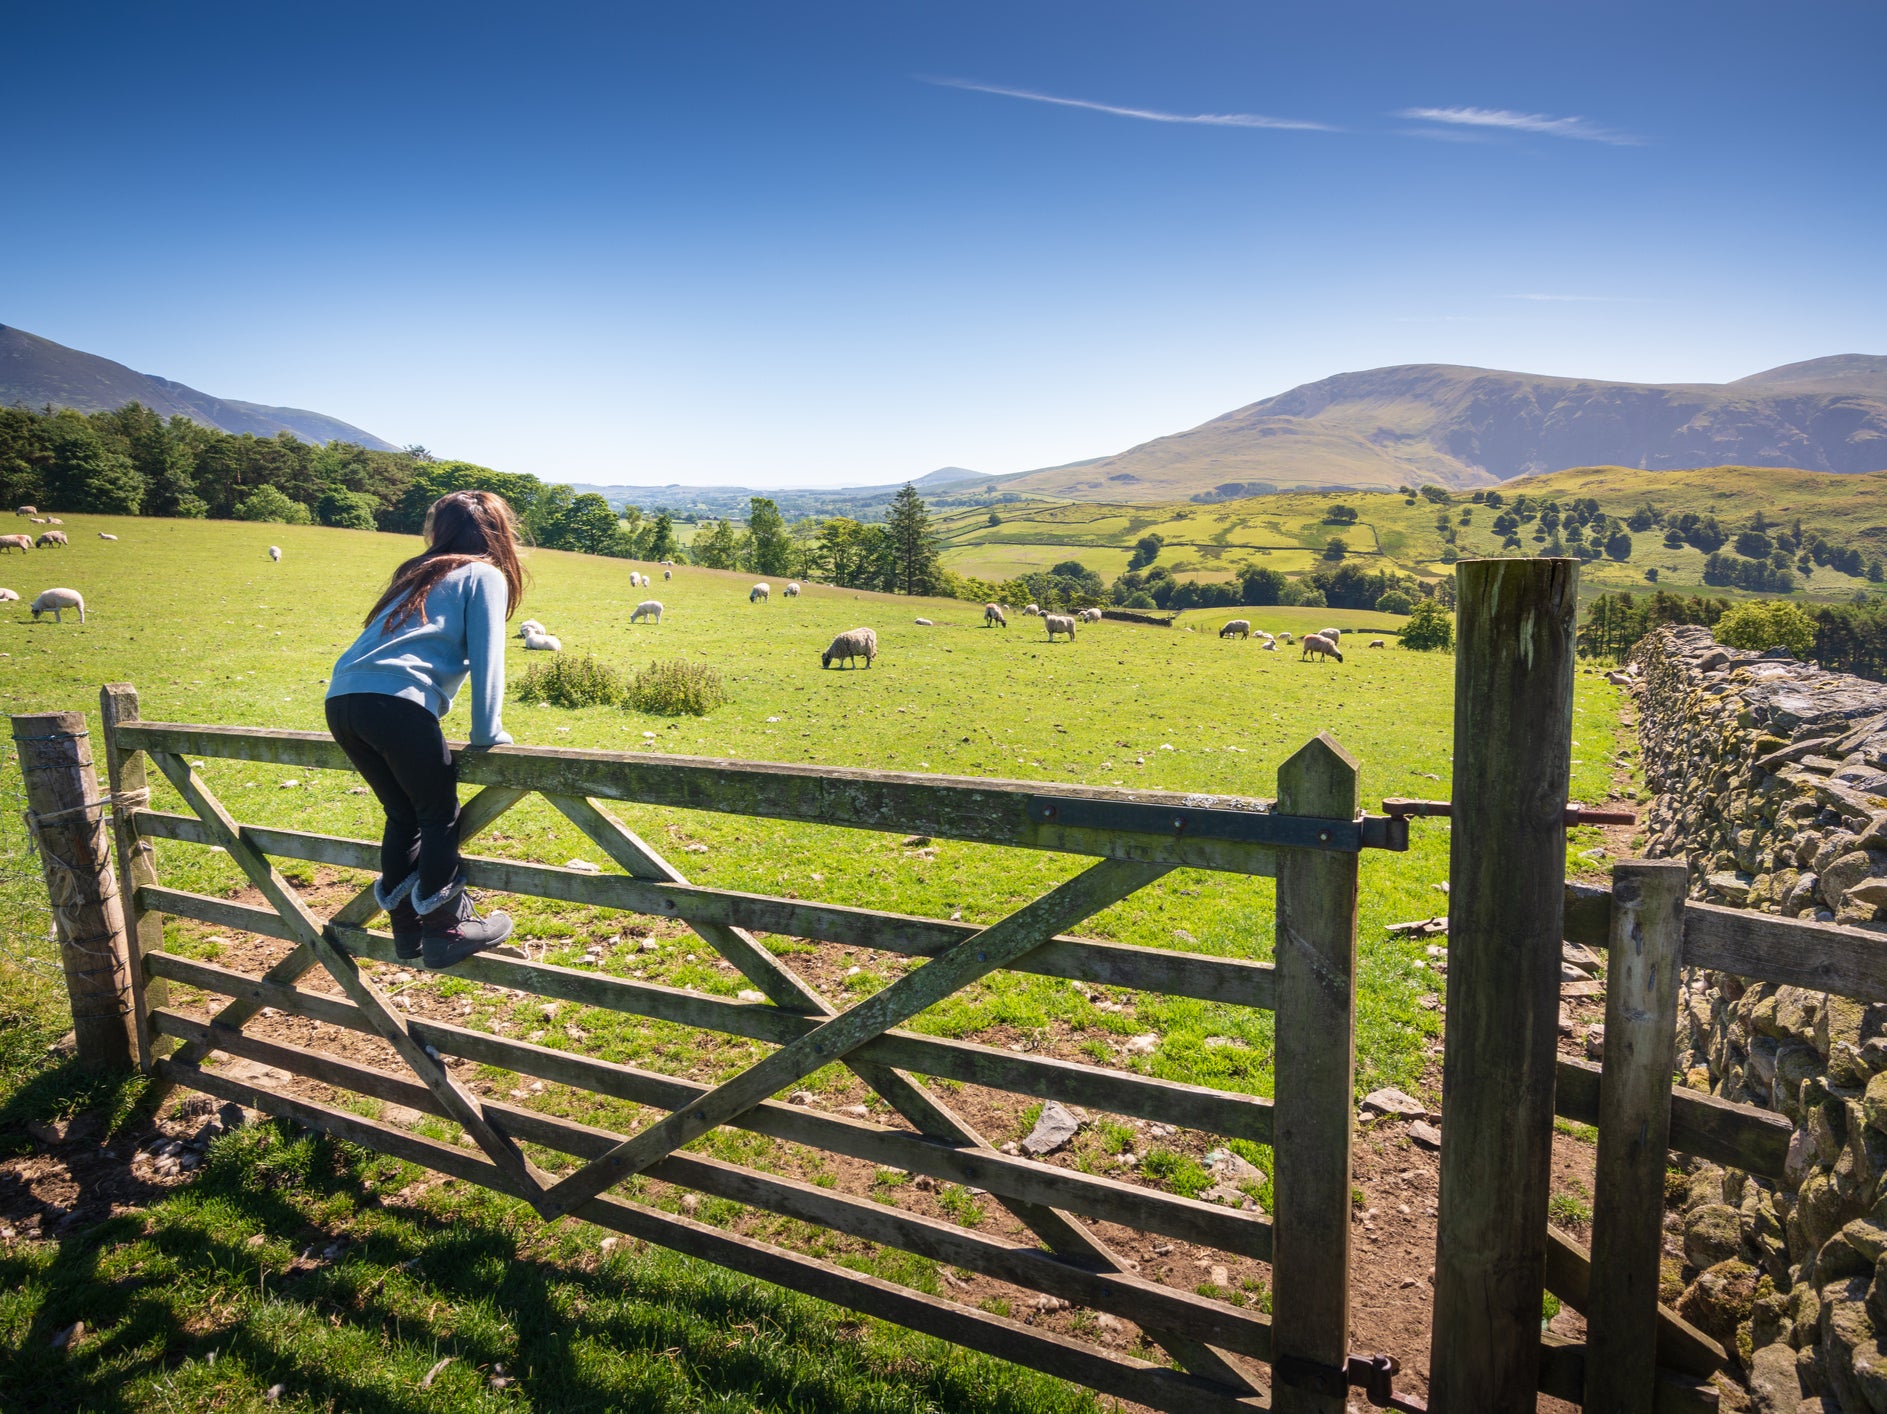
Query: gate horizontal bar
[[952, 807], [1738, 1136], [1116, 1092], [1121, 1376]]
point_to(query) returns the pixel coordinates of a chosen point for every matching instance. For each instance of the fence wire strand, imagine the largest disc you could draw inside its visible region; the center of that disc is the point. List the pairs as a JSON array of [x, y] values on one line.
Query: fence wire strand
[[29, 940]]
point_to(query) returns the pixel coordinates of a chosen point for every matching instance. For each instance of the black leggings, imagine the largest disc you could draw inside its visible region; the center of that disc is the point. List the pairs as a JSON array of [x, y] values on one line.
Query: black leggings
[[397, 747]]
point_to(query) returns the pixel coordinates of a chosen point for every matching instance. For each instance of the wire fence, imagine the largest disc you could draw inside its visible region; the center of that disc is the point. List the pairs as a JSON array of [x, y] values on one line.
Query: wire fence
[[28, 940]]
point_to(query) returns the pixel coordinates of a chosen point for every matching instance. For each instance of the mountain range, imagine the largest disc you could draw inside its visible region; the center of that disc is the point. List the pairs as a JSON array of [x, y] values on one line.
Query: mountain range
[[36, 371], [1466, 427]]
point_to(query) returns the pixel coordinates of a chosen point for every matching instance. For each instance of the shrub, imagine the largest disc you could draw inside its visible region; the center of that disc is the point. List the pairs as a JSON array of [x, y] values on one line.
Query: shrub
[[1394, 602], [1430, 627], [349, 510], [1767, 623], [571, 681], [1312, 598], [272, 504], [676, 688]]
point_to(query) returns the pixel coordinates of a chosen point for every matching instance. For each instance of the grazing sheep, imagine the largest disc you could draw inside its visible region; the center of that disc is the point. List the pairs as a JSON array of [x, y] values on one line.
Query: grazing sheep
[[850, 645], [275, 553], [668, 574], [50, 538], [529, 627], [1090, 616], [1317, 643], [54, 601], [1059, 623], [792, 590], [1033, 611], [15, 542], [1376, 643], [8, 596], [1335, 635], [543, 642], [103, 536], [925, 623], [759, 591], [1236, 628], [993, 615], [1260, 633], [1285, 639], [647, 609], [27, 511]]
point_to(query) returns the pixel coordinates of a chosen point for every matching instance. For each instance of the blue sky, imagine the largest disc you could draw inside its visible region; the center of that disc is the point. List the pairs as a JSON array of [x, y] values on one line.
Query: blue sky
[[823, 243]]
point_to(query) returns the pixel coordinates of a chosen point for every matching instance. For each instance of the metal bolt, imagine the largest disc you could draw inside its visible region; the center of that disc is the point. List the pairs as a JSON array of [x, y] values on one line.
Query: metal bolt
[[1323, 836]]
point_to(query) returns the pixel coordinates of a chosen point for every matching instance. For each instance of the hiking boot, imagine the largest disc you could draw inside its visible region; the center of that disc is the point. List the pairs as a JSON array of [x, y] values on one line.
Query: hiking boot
[[402, 915], [451, 929]]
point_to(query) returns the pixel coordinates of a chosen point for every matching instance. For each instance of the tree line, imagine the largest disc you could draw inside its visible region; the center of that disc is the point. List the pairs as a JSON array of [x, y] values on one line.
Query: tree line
[[1846, 638]]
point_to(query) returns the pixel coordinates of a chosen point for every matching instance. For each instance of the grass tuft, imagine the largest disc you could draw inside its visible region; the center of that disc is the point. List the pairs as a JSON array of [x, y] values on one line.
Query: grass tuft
[[677, 688]]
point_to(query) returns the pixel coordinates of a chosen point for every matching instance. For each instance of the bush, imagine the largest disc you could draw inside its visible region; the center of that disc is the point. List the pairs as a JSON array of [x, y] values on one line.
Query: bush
[[1394, 602], [676, 688], [1312, 598], [348, 510], [1767, 623], [572, 681], [1430, 627], [271, 504]]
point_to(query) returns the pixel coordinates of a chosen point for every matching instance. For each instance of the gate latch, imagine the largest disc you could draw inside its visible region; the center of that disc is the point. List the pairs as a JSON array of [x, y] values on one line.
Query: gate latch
[[1576, 814], [1374, 1375]]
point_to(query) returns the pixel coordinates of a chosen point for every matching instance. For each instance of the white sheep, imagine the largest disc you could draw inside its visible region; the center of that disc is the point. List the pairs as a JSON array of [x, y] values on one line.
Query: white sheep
[[103, 536], [37, 520], [1377, 643], [50, 538], [1317, 643], [1260, 633], [1285, 639], [54, 520], [647, 609], [850, 645], [1033, 611], [925, 623], [15, 542], [1270, 645], [759, 591], [993, 615], [543, 642], [635, 580], [1335, 635], [529, 627], [9, 596], [27, 511], [1090, 616], [792, 590], [54, 601], [1059, 623], [275, 553], [1236, 628]]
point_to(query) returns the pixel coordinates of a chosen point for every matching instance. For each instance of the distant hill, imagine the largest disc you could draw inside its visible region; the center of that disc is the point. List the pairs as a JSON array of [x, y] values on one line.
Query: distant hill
[[1467, 427], [944, 486], [36, 371]]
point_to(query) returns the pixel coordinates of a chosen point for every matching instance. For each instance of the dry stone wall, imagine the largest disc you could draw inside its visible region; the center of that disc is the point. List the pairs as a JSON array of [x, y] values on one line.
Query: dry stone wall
[[1770, 780]]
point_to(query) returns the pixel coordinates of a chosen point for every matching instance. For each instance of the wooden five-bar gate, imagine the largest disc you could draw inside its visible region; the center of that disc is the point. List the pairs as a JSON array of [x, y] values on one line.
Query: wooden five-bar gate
[[1503, 1080]]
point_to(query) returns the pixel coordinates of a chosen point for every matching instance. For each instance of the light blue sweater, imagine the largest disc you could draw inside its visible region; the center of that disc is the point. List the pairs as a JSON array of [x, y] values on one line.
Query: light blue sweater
[[428, 660]]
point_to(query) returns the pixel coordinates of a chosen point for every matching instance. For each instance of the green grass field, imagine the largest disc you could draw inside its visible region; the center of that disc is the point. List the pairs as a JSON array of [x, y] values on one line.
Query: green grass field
[[211, 631]]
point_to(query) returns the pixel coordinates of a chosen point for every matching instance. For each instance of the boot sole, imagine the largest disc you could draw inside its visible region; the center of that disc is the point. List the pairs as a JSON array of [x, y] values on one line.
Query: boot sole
[[461, 956]]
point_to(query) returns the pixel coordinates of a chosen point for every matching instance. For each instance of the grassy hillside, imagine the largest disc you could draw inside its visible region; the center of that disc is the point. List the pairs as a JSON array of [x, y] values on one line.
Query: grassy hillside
[[1288, 530], [210, 630]]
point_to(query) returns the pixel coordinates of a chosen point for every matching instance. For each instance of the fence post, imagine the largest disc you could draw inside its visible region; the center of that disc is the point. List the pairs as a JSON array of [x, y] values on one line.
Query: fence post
[[1314, 1100], [66, 818], [1507, 868], [1641, 976], [137, 862]]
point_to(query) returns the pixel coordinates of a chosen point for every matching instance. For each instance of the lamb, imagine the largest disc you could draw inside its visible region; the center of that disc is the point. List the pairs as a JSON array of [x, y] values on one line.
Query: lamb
[[8, 596], [103, 536], [55, 601], [647, 609], [1270, 645], [850, 645], [54, 520], [1285, 639], [1059, 623], [529, 627], [275, 553], [1317, 643], [1236, 628], [1033, 611], [542, 642], [925, 623], [792, 590], [635, 580], [1090, 616], [668, 574], [993, 616], [15, 542], [51, 538], [1376, 643], [759, 591]]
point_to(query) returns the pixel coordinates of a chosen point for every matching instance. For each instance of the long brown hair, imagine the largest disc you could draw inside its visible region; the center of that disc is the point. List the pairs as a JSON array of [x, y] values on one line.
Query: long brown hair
[[463, 528]]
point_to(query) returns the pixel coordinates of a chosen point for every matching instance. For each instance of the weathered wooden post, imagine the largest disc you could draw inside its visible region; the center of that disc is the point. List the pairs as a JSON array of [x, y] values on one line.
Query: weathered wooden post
[[1314, 1103], [66, 817], [137, 867], [1507, 867], [1641, 981]]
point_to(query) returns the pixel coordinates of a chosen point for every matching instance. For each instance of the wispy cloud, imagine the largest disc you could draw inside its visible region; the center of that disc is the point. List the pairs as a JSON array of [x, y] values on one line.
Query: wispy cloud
[[1150, 115], [1542, 124]]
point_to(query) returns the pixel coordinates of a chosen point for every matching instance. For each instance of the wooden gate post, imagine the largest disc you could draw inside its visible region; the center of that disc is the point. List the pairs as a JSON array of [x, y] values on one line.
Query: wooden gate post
[[1507, 869], [137, 864], [67, 820], [1641, 977]]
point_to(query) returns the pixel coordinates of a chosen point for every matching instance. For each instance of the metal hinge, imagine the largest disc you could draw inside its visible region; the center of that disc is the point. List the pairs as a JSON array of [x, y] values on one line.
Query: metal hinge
[[1374, 1375], [1576, 814]]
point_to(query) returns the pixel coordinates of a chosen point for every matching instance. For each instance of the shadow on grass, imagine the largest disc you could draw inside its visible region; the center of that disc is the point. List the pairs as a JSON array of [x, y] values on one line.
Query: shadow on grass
[[226, 1289]]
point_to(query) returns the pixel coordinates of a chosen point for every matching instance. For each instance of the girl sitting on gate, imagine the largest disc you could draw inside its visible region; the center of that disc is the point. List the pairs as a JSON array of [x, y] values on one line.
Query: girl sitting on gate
[[440, 622]]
